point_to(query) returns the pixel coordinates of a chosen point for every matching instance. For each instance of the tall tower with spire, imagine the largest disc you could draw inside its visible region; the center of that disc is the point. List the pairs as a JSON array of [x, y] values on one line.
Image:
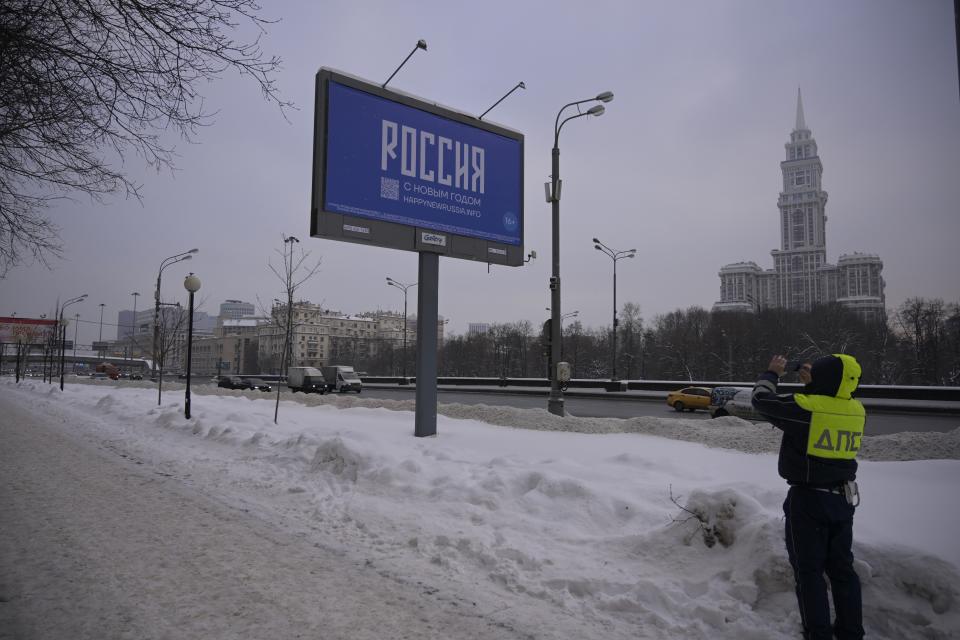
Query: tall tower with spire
[[802, 204], [801, 276]]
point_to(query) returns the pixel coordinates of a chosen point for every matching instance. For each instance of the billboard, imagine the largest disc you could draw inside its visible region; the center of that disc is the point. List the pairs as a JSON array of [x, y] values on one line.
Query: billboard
[[33, 331], [397, 171]]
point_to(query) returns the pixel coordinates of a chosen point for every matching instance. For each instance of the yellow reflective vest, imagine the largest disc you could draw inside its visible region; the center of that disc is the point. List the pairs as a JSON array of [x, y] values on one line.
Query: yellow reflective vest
[[836, 426]]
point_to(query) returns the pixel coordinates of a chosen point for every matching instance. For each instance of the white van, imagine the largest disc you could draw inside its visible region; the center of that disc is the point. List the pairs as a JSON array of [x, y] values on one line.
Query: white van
[[342, 378], [306, 380]]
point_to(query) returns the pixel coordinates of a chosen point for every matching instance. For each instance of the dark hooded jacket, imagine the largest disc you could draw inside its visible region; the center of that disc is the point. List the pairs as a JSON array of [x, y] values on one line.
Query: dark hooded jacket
[[832, 376]]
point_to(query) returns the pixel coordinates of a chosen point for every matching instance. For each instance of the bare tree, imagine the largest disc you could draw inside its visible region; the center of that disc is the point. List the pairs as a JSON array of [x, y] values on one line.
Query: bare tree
[[923, 324], [293, 273], [85, 82], [170, 338], [631, 336]]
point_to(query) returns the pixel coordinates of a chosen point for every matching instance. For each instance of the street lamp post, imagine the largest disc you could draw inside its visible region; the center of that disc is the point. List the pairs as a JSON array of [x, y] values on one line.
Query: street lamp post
[[100, 339], [555, 403], [615, 256], [76, 332], [133, 329], [48, 347], [19, 340], [403, 287], [180, 257], [192, 284], [64, 332]]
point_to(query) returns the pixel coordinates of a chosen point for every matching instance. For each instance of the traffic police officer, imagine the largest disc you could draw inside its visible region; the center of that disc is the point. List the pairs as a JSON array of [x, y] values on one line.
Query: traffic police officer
[[822, 429]]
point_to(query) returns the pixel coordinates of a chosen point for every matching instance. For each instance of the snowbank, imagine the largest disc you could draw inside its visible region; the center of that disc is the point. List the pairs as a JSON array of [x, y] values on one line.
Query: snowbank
[[660, 528]]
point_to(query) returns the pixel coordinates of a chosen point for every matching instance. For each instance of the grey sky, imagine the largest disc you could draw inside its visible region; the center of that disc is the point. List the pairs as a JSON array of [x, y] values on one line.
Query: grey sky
[[684, 165]]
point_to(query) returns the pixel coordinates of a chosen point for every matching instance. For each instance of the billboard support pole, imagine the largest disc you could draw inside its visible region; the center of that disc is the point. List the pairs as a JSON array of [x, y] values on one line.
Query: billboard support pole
[[427, 310]]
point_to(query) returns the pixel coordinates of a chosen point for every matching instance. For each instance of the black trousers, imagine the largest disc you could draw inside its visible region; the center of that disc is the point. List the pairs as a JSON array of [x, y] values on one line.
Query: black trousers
[[819, 536]]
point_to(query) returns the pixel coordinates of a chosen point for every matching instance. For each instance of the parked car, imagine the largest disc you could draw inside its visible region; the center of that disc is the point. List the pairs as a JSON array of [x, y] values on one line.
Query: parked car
[[719, 397], [257, 383], [689, 399], [99, 375], [136, 376], [234, 382], [738, 405]]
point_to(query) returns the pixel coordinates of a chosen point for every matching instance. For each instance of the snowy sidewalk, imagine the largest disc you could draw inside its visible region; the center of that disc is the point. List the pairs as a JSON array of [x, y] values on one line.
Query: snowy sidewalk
[[120, 518], [95, 544]]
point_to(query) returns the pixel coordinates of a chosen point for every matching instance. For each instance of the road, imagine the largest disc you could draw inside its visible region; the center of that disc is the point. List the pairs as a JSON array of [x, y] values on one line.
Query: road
[[632, 406], [615, 407]]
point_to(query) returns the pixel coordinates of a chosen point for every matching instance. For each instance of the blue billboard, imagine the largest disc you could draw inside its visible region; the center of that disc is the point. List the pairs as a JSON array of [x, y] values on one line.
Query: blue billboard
[[386, 160]]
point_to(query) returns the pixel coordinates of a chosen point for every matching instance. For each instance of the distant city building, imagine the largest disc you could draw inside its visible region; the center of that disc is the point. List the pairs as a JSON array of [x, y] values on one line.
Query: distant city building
[[251, 345], [236, 309], [477, 328], [129, 327], [801, 276], [125, 325], [231, 350], [136, 335], [321, 337], [204, 323]]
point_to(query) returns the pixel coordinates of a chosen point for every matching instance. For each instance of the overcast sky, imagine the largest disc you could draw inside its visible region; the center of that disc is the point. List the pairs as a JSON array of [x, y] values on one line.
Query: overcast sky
[[684, 165]]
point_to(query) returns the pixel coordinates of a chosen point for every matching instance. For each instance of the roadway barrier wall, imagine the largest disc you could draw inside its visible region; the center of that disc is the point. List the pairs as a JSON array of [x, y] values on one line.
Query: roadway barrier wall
[[893, 392]]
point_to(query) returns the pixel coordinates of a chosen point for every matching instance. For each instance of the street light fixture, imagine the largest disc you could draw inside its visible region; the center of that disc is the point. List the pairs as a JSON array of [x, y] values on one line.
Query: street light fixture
[[192, 284], [403, 287], [615, 256], [180, 257], [555, 403], [63, 332]]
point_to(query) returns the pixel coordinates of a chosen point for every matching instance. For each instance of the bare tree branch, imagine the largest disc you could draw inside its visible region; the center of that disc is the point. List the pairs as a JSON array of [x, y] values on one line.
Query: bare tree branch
[[85, 82]]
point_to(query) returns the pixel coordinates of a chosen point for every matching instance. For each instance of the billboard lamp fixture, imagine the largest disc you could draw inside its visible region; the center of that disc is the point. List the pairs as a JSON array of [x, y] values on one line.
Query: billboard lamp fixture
[[520, 85], [421, 44]]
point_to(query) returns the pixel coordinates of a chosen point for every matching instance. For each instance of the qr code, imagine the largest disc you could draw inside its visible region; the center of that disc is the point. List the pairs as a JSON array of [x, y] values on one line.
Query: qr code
[[390, 188]]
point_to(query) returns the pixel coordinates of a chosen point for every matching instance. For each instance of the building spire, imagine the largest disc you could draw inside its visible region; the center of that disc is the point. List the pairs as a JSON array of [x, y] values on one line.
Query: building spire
[[801, 125]]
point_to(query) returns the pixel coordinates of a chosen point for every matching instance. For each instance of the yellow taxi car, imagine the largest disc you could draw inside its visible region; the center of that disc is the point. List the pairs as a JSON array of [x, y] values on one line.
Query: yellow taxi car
[[689, 398]]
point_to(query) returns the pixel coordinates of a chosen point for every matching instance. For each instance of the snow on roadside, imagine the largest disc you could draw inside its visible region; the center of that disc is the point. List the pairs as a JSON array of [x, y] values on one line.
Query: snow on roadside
[[656, 536], [725, 433]]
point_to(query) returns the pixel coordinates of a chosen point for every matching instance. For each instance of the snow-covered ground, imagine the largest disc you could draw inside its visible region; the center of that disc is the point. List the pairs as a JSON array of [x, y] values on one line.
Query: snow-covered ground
[[650, 527]]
